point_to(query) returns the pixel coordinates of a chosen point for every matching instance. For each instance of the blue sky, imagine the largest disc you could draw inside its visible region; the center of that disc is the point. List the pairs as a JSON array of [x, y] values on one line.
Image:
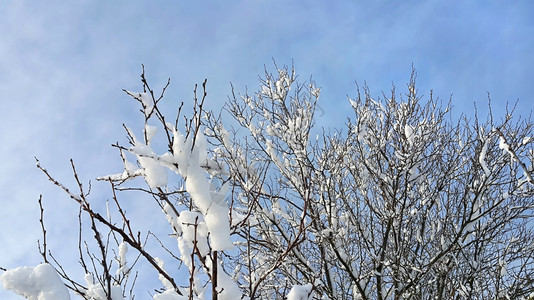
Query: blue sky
[[63, 65]]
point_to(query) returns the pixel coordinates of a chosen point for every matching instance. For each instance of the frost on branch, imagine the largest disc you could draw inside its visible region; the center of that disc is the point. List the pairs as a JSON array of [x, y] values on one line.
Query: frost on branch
[[405, 202]]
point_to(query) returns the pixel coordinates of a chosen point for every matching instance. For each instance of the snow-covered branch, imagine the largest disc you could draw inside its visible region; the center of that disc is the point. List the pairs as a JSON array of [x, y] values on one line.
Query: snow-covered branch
[[402, 203]]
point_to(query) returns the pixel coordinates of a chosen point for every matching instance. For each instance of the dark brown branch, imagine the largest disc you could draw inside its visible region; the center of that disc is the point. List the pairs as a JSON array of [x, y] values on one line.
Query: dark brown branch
[[136, 244], [41, 220]]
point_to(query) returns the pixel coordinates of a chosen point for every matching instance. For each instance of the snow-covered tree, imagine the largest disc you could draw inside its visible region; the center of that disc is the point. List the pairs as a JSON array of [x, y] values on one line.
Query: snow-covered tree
[[406, 202]]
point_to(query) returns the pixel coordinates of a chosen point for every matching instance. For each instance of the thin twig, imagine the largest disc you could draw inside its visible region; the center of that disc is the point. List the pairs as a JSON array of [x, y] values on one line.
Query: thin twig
[[41, 220], [136, 244]]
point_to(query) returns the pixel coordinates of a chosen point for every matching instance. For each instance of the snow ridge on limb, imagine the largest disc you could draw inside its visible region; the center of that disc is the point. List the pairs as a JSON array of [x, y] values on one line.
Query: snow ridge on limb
[[35, 283], [301, 292], [216, 215]]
